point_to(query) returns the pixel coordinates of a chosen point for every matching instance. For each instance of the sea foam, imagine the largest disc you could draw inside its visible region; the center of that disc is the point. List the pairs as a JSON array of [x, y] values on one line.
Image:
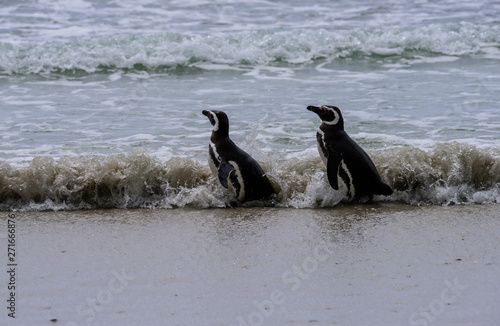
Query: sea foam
[[171, 51], [450, 173]]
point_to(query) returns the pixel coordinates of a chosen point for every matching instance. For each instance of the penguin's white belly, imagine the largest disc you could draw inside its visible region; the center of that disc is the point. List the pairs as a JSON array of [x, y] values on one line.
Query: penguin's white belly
[[321, 154], [350, 186], [320, 148], [211, 163]]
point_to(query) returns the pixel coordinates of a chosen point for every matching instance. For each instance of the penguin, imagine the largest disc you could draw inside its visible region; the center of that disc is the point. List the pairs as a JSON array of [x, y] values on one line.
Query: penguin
[[233, 167], [346, 162]]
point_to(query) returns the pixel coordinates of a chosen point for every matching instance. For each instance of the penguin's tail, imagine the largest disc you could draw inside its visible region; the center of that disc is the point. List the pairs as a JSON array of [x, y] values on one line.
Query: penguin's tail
[[383, 189]]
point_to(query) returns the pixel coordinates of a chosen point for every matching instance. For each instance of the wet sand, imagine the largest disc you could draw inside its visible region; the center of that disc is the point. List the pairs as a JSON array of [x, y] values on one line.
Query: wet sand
[[380, 264]]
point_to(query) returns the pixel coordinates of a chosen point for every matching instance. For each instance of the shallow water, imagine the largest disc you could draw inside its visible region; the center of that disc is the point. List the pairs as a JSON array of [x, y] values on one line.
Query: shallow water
[[449, 174]]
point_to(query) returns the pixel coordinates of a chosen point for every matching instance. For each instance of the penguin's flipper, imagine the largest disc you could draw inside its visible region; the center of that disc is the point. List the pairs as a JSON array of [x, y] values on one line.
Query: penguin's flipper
[[224, 170], [332, 167]]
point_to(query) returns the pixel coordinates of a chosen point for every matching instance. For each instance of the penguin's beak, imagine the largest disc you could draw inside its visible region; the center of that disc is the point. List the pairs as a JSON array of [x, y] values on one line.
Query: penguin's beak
[[314, 109], [209, 116]]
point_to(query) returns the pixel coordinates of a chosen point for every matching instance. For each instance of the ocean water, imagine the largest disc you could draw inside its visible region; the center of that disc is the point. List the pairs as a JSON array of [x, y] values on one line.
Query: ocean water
[[101, 101]]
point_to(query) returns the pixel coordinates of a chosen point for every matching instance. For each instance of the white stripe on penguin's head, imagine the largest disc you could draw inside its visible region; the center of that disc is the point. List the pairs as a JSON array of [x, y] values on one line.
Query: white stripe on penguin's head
[[216, 121], [335, 120]]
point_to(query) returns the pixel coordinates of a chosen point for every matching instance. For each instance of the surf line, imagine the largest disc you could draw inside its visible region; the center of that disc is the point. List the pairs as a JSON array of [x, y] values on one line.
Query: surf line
[[292, 278], [11, 265]]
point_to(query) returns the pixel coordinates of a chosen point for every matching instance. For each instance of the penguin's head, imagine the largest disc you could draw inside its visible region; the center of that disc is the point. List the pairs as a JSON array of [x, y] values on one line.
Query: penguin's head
[[218, 119], [330, 115]]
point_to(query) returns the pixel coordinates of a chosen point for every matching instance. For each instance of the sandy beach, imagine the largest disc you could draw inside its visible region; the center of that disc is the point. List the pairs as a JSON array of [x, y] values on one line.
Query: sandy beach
[[378, 264]]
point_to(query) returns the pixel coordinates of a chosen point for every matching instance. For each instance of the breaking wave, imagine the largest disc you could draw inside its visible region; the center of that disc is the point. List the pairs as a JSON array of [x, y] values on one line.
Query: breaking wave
[[172, 51], [450, 173]]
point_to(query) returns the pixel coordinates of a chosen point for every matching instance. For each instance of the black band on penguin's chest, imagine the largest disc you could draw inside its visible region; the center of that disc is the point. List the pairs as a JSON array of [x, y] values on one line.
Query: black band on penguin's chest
[[215, 157]]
